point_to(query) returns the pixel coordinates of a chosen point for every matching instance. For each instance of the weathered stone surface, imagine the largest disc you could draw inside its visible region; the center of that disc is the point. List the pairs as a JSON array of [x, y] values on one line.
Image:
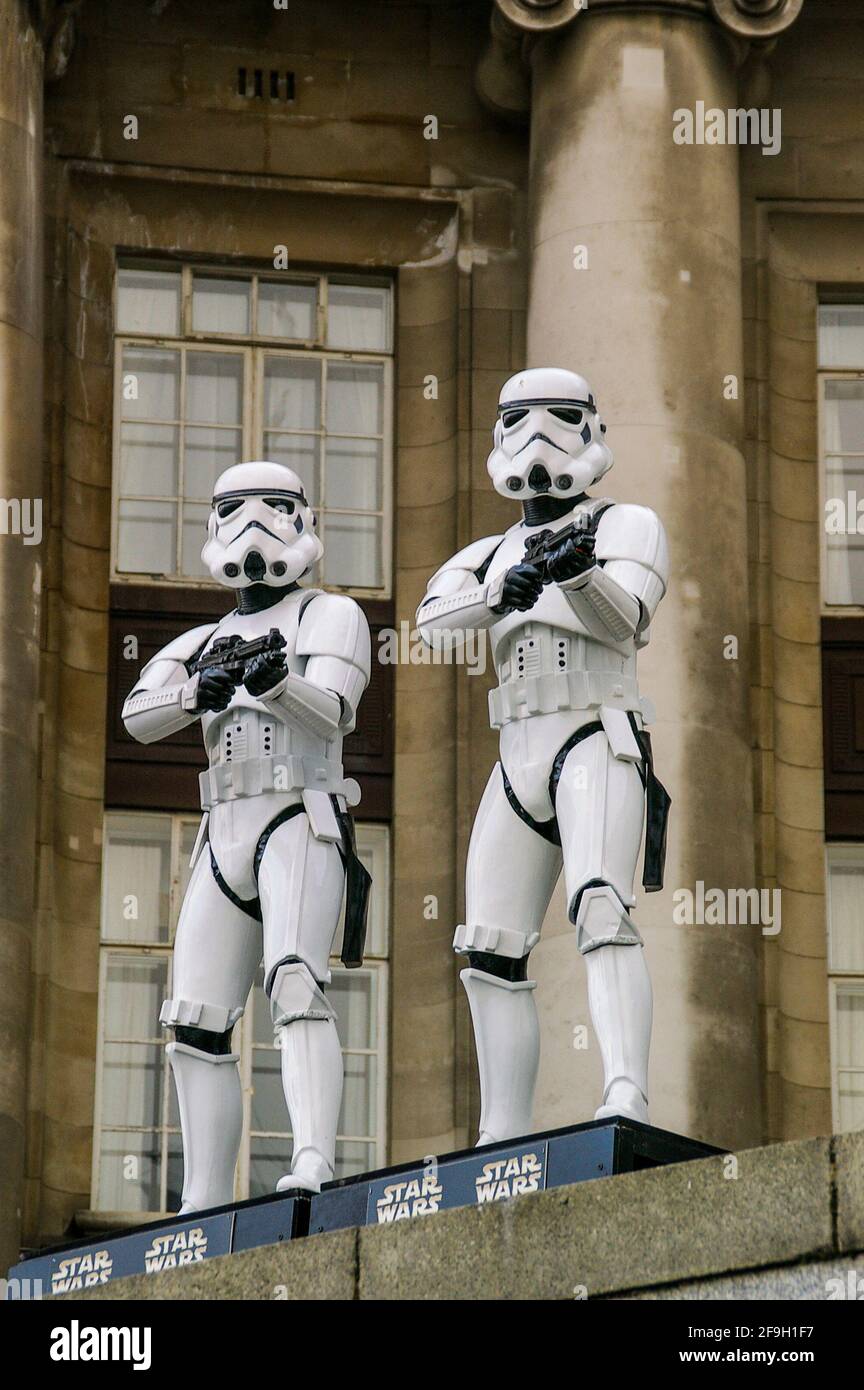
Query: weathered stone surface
[[688, 1220], [819, 1279], [322, 1267], [849, 1167], [704, 1230]]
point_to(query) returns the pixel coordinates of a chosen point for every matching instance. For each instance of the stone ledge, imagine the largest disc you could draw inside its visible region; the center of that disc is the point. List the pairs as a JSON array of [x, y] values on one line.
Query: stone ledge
[[691, 1230], [323, 1267], [814, 1280]]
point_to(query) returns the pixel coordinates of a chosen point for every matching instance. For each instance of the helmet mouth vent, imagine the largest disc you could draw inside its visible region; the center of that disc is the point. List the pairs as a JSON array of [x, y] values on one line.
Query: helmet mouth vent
[[254, 567], [538, 479]]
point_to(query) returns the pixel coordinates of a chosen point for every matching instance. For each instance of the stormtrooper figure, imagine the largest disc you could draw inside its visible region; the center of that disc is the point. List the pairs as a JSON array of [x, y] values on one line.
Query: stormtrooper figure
[[565, 622], [276, 839]]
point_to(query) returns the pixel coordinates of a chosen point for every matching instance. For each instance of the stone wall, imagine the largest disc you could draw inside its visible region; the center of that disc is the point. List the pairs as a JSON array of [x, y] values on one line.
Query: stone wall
[[801, 230], [346, 179], [781, 1222], [22, 571]]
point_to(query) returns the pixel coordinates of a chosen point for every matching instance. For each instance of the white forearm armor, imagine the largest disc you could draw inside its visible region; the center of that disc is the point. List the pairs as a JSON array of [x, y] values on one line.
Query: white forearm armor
[[153, 714], [616, 598], [606, 610], [318, 710], [456, 600], [165, 696]]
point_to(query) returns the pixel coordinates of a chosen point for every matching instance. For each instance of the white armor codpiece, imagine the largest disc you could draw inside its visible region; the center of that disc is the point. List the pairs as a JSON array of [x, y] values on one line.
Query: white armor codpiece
[[268, 865], [574, 760]]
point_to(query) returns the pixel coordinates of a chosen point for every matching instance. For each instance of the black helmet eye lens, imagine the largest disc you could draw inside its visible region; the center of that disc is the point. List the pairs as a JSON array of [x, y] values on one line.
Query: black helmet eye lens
[[512, 417], [228, 507], [280, 504], [570, 417]]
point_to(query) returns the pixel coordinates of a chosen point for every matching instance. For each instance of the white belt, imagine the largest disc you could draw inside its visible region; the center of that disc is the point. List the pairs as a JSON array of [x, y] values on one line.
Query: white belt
[[562, 690], [278, 772]]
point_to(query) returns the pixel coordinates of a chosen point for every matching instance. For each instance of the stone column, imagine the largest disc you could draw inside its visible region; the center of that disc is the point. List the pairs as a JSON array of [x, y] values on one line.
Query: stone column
[[425, 789], [636, 282], [20, 572]]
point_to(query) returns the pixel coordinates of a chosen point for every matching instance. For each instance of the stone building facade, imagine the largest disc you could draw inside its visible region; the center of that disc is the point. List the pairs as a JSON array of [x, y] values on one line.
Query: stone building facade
[[510, 174]]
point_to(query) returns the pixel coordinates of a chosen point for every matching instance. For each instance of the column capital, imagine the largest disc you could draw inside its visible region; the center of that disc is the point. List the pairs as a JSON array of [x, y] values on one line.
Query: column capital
[[747, 19], [516, 26], [756, 19]]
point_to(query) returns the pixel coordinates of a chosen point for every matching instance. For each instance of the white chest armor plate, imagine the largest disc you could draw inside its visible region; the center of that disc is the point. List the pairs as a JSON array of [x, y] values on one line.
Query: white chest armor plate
[[252, 748], [545, 659]]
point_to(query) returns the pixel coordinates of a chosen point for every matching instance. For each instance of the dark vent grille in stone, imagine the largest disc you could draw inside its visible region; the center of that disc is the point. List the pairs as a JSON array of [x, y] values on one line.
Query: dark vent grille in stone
[[254, 82]]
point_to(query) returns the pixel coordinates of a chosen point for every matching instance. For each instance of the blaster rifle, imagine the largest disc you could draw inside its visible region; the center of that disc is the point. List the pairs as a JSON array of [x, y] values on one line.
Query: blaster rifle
[[233, 655], [543, 544]]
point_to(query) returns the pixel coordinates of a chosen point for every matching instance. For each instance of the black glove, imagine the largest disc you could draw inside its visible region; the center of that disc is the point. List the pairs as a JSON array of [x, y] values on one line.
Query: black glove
[[571, 558], [215, 689], [523, 585], [263, 672]]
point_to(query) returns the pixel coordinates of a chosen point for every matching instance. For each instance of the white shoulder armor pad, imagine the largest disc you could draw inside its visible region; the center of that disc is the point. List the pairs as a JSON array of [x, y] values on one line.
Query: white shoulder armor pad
[[182, 648], [334, 625], [470, 559], [334, 635], [632, 544]]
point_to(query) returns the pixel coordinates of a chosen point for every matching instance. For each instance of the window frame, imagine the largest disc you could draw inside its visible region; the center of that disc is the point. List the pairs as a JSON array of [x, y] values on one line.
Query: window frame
[[182, 347], [243, 1042], [823, 375], [385, 511], [840, 978], [255, 347], [848, 984], [107, 952]]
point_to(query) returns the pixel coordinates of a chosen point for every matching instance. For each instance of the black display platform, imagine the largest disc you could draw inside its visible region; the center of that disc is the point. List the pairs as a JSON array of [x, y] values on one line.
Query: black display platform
[[468, 1177], [472, 1177]]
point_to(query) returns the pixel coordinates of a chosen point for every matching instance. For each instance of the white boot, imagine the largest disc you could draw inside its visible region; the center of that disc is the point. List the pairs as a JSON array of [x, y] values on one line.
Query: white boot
[[619, 995], [312, 1081], [211, 1120], [507, 1038]]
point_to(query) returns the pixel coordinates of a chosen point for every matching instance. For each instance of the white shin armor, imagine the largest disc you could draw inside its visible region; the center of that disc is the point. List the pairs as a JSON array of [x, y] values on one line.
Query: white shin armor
[[312, 1074], [211, 1119], [507, 1037], [620, 999]]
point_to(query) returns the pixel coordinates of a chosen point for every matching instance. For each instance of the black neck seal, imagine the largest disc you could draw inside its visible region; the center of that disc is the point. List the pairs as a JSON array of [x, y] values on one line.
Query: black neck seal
[[537, 511], [260, 596]]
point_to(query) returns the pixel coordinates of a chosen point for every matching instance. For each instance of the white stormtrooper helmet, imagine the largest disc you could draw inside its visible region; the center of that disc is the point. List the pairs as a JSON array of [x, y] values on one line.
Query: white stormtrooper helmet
[[261, 527], [548, 436]]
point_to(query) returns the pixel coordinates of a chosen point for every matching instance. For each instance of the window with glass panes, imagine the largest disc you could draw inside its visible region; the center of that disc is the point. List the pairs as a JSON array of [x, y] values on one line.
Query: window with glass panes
[[846, 983], [137, 1154], [214, 368], [841, 401]]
